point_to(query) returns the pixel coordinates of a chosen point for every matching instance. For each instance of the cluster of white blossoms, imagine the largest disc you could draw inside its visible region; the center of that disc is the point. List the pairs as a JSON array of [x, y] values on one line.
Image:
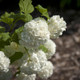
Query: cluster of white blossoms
[[38, 32], [56, 26], [4, 62], [37, 64], [35, 33]]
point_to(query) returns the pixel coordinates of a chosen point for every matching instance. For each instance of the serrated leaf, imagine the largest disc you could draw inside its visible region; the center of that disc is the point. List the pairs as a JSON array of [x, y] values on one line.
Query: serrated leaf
[[6, 18], [43, 11], [26, 6], [16, 56], [2, 29], [43, 48]]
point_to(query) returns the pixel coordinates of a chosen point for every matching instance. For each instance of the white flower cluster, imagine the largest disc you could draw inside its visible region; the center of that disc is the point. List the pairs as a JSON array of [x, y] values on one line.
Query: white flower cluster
[[35, 33], [37, 64], [56, 26], [38, 32], [4, 62]]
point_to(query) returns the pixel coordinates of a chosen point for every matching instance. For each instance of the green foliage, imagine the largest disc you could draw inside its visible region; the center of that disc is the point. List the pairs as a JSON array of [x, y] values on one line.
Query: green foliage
[[42, 47], [4, 39], [15, 36], [2, 29], [6, 18], [16, 56], [26, 8], [43, 11], [4, 36]]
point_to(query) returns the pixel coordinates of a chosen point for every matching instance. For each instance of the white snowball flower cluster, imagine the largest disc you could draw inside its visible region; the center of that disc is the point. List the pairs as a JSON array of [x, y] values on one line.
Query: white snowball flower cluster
[[32, 65], [56, 26], [35, 37], [37, 64], [23, 76], [35, 33], [4, 62]]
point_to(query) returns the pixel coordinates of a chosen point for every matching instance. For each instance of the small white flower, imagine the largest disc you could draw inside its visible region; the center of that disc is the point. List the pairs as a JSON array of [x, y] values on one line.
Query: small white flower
[[56, 26], [4, 62], [51, 46], [23, 76], [46, 70], [34, 34]]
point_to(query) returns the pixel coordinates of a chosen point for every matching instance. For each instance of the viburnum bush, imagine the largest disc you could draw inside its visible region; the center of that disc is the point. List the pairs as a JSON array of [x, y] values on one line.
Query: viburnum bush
[[30, 46]]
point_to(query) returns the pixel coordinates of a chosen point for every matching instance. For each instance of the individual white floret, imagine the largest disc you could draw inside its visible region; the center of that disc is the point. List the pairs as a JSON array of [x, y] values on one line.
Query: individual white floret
[[23, 76], [12, 48], [46, 70], [4, 62], [51, 47], [35, 33], [56, 26]]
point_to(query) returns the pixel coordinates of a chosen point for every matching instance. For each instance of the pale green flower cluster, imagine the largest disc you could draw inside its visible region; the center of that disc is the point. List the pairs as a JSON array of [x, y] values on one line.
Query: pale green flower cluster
[[38, 32]]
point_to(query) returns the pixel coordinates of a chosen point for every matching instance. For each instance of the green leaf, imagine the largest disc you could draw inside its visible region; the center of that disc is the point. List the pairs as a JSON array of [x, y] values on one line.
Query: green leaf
[[16, 56], [3, 43], [2, 29], [6, 18], [17, 16], [43, 48], [16, 35], [43, 11], [4, 40], [4, 36], [28, 17], [26, 6]]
